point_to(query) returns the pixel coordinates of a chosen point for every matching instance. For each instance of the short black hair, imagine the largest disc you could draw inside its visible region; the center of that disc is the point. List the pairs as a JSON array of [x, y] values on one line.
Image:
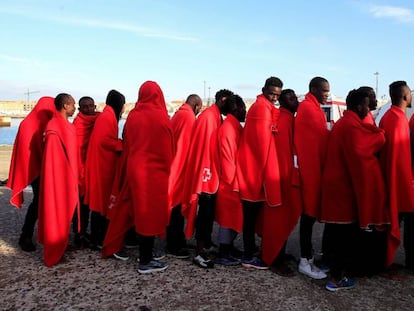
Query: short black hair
[[223, 93], [60, 100], [273, 81], [284, 94], [85, 98], [234, 103], [396, 90], [316, 82], [356, 98]]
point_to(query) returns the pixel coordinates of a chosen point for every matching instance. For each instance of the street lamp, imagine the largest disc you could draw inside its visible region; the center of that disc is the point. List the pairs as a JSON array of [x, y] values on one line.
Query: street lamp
[[376, 82]]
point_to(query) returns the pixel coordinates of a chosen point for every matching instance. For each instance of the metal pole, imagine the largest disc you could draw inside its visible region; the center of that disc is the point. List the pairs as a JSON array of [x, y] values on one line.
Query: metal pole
[[376, 83]]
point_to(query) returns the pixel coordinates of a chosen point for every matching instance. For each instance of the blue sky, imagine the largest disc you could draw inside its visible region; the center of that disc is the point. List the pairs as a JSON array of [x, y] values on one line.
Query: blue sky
[[91, 47]]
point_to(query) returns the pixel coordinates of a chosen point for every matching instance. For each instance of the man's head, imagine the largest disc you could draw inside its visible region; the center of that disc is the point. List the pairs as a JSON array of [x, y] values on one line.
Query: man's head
[[400, 94], [221, 97], [116, 100], [65, 104], [195, 102], [358, 101], [319, 87], [289, 100], [87, 106], [236, 107], [272, 89], [372, 96]]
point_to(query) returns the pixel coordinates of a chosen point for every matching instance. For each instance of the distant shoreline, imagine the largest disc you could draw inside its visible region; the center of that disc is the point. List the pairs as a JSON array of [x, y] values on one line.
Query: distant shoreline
[[5, 158]]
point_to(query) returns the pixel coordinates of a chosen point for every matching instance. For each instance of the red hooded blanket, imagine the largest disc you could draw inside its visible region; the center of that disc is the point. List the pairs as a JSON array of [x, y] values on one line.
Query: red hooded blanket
[[27, 153], [202, 164], [396, 163], [278, 222], [311, 140], [150, 146], [58, 188], [229, 212], [103, 154]]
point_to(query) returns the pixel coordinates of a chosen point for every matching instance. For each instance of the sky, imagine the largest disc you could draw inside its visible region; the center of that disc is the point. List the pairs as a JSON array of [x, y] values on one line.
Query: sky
[[90, 47]]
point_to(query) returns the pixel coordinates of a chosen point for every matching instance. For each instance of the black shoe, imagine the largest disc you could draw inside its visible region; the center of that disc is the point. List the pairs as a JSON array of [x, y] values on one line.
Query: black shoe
[[282, 269], [121, 255], [203, 261], [26, 244], [181, 253]]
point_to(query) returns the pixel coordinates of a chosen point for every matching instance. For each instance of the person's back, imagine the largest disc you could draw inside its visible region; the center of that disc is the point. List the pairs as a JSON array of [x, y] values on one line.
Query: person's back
[[310, 140], [396, 164], [26, 163], [149, 145]]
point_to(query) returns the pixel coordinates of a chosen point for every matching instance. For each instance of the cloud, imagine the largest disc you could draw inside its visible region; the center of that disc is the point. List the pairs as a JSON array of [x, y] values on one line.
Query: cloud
[[98, 24], [399, 14], [14, 59]]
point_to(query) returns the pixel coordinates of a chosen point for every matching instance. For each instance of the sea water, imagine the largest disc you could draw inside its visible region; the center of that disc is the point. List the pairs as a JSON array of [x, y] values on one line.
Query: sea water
[[8, 133]]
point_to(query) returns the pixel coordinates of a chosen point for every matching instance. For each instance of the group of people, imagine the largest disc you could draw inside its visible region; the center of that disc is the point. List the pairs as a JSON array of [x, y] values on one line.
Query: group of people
[[173, 178]]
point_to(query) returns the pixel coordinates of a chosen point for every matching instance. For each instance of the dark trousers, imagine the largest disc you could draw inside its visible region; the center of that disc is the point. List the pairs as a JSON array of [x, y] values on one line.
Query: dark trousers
[[84, 218], [99, 225], [250, 213], [175, 230], [305, 236], [146, 245], [32, 211], [205, 218], [280, 259], [343, 250], [408, 238], [371, 252]]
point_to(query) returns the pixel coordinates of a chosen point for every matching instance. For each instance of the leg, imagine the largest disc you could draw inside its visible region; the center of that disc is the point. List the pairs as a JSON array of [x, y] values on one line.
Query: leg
[[409, 240], [25, 240], [204, 221], [250, 213], [146, 245], [175, 231], [305, 235]]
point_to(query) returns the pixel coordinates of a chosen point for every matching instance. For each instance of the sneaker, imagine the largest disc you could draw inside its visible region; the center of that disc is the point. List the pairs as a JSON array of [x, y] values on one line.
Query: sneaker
[[255, 262], [152, 266], [120, 256], [181, 253], [203, 261], [158, 254], [345, 283], [26, 244], [307, 267], [227, 261]]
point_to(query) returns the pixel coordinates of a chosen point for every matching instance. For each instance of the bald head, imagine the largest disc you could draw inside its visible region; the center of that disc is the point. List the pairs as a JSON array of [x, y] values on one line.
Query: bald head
[[195, 102]]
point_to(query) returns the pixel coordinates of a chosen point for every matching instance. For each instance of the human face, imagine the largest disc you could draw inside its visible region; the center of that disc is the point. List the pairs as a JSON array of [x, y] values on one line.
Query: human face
[[321, 93], [197, 107], [290, 102], [272, 93], [69, 107], [409, 97], [87, 107]]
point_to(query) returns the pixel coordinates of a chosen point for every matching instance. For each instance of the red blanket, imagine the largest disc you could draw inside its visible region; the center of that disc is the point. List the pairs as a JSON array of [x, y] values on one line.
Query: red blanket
[[353, 186], [396, 163], [229, 212], [58, 188], [182, 124], [103, 154], [150, 145], [311, 139], [84, 125], [202, 164], [278, 222], [258, 167], [27, 153]]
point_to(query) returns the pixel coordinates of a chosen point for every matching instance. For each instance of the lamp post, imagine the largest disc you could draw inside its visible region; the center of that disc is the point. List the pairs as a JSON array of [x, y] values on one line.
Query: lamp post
[[376, 82], [204, 97], [208, 100]]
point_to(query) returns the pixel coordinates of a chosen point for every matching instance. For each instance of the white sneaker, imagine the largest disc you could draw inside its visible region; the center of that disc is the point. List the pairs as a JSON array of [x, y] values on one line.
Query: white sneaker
[[307, 267]]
